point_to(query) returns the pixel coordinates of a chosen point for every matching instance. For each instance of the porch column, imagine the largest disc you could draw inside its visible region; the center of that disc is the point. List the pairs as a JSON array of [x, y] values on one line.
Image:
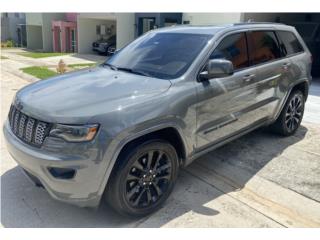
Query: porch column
[[63, 38]]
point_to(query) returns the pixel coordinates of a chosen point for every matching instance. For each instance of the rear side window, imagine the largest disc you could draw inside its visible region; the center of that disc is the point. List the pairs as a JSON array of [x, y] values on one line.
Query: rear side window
[[234, 49], [264, 47], [289, 43]]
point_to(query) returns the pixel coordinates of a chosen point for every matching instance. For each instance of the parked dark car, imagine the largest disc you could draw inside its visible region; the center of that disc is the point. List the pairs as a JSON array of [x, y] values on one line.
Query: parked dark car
[[121, 131], [105, 46], [310, 32]]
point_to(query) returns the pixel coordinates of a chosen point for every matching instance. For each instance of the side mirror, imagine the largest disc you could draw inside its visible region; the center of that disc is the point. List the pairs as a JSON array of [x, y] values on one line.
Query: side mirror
[[217, 68]]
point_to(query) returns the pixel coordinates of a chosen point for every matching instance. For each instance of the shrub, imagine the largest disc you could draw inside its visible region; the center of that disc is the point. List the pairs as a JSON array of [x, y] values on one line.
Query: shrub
[[10, 43], [7, 44]]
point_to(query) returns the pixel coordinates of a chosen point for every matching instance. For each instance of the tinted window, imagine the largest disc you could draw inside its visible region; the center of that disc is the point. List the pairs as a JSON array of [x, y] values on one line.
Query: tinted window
[[234, 49], [289, 43], [264, 47], [161, 55]]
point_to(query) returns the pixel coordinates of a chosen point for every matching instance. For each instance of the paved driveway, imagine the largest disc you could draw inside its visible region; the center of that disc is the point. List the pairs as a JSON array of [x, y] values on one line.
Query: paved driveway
[[259, 180]]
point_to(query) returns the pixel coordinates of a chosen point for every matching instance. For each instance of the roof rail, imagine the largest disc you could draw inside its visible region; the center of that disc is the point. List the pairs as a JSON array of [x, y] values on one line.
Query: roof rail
[[250, 23]]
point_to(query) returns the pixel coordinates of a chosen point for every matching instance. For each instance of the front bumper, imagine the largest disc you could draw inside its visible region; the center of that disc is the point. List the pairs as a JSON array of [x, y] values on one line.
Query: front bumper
[[83, 189]]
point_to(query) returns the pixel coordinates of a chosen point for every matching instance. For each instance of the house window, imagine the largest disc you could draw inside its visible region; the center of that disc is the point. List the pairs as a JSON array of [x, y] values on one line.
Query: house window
[[16, 15]]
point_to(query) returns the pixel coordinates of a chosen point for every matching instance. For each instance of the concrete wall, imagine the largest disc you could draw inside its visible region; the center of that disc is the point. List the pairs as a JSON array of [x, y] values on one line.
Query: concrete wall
[[212, 18], [34, 19], [9, 26], [5, 33], [102, 16], [71, 17], [125, 28], [47, 36], [34, 37], [87, 32], [43, 20]]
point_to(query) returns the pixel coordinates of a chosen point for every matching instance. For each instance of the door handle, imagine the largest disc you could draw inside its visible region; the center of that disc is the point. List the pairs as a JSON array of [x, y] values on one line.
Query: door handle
[[248, 77], [286, 66]]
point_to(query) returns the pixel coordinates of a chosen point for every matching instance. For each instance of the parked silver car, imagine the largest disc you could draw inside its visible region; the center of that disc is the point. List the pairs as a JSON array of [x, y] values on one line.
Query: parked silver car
[[122, 130]]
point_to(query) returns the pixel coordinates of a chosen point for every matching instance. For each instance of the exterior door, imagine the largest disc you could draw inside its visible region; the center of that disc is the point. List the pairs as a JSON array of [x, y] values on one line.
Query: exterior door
[[271, 72], [19, 37], [73, 40], [225, 102]]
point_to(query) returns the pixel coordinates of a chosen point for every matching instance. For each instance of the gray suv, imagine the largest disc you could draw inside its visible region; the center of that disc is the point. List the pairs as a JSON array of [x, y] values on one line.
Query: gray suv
[[121, 131]]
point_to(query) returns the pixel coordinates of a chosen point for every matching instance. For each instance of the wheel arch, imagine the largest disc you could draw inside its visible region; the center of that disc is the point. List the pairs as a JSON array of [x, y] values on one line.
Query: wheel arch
[[172, 134], [303, 86]]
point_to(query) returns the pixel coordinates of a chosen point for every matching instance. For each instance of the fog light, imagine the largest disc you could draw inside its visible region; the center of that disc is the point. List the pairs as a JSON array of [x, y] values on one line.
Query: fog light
[[62, 173]]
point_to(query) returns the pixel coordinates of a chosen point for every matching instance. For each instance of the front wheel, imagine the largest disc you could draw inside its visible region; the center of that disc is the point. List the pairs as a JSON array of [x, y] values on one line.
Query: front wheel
[[291, 115], [143, 178]]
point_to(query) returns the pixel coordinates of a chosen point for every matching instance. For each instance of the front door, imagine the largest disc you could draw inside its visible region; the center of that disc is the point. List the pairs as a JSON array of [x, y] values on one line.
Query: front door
[[224, 102]]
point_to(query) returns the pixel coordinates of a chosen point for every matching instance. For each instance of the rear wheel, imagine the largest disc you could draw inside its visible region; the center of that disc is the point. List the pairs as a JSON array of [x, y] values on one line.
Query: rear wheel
[[144, 179], [291, 115]]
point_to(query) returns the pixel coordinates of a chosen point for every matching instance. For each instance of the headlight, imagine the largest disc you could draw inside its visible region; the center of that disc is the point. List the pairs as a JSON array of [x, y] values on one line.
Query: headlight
[[75, 133]]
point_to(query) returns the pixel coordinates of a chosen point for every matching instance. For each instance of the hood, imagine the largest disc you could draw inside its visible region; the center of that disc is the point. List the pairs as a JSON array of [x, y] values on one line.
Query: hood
[[77, 96]]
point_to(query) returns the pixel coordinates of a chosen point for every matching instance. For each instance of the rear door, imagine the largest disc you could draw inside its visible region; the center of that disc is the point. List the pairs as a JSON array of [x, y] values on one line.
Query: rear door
[[271, 71]]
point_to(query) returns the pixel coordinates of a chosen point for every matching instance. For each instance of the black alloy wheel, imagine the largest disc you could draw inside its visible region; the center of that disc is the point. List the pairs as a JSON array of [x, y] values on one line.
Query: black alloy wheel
[[294, 113], [148, 178], [291, 115], [143, 178]]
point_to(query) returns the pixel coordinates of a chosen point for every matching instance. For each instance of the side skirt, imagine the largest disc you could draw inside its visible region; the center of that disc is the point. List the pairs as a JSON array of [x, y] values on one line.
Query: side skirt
[[227, 139]]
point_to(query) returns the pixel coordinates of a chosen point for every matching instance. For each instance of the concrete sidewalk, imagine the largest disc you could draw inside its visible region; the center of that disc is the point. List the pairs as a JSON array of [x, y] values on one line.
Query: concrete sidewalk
[[259, 180], [16, 61]]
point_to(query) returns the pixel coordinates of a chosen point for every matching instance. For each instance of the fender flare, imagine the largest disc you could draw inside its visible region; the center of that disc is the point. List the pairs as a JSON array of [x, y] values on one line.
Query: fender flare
[[122, 143], [288, 94]]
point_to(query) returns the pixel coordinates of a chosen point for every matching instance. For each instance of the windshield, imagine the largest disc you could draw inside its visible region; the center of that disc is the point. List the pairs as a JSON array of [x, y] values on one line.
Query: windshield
[[160, 55]]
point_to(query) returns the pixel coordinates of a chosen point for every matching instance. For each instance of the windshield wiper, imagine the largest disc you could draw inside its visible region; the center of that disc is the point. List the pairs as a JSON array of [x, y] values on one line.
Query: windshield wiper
[[130, 70], [110, 65]]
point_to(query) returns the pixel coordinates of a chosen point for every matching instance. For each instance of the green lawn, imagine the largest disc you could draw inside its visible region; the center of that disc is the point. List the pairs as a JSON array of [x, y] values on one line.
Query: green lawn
[[39, 72], [3, 57], [42, 54], [82, 65]]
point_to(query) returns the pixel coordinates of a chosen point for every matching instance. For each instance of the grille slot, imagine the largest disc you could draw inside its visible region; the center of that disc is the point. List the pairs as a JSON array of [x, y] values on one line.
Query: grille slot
[[28, 129]]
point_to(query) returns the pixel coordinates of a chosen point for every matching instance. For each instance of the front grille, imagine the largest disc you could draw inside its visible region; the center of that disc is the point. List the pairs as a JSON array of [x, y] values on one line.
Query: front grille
[[28, 129]]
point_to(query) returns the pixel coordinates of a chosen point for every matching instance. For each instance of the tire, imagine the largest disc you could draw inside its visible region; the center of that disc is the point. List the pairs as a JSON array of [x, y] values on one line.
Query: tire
[[139, 186], [291, 115]]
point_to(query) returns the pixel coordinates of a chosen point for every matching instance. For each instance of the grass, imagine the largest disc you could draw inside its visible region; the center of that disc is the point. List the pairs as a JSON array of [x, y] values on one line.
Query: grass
[[82, 65], [3, 57], [42, 54], [39, 72]]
